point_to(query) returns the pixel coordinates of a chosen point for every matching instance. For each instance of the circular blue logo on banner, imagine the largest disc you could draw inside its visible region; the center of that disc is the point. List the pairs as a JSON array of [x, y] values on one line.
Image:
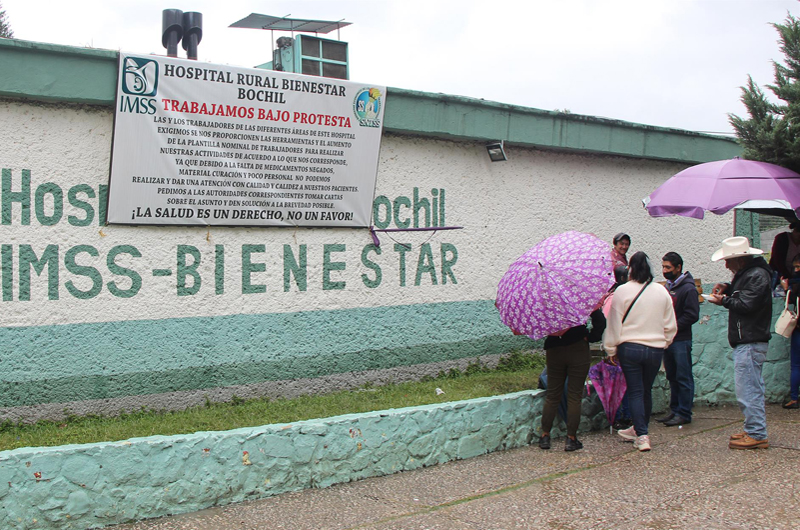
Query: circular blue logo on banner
[[367, 107]]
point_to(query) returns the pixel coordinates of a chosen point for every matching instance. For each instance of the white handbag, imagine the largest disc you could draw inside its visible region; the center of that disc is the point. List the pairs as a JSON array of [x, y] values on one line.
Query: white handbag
[[787, 321]]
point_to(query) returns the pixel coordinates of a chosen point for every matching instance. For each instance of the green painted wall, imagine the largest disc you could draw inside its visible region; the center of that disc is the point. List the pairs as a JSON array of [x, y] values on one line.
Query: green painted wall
[[92, 485], [125, 358], [47, 72], [462, 118], [747, 224]]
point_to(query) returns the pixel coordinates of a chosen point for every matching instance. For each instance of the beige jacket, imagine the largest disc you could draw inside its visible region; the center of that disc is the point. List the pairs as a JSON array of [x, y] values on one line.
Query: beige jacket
[[651, 321]]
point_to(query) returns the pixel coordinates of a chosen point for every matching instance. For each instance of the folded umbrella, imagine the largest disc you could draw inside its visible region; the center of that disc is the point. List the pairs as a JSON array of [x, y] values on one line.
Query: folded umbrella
[[609, 383], [555, 285]]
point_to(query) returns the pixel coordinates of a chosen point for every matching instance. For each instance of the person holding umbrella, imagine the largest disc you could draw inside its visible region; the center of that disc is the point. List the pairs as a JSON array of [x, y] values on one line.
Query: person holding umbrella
[[568, 355], [641, 324], [550, 292]]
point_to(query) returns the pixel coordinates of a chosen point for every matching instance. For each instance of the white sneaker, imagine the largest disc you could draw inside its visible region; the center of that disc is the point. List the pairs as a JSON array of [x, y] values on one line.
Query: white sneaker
[[642, 443], [628, 434]]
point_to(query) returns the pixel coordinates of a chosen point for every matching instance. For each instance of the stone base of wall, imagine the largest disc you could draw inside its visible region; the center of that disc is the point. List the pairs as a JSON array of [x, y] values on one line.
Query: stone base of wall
[[92, 485]]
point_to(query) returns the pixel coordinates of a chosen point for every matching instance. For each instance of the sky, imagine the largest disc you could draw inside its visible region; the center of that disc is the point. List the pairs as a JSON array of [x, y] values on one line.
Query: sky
[[669, 63]]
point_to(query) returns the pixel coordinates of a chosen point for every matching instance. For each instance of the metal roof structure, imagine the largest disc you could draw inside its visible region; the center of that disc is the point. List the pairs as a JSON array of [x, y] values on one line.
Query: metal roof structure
[[256, 21]]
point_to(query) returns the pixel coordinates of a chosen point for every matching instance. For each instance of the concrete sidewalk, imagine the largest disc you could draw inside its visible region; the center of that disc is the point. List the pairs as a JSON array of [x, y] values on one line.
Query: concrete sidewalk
[[689, 480]]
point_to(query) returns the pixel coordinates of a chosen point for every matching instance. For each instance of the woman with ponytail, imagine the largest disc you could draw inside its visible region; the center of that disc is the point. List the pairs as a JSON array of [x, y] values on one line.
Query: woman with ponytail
[[641, 324]]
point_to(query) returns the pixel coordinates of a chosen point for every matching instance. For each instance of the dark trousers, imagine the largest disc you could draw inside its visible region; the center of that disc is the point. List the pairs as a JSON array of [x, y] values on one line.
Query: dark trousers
[[640, 365], [568, 361], [678, 366], [794, 376]]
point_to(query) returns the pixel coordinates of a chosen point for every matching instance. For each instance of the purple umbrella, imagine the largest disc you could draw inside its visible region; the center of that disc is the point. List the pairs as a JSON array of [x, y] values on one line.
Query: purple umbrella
[[609, 382], [720, 186], [555, 285]]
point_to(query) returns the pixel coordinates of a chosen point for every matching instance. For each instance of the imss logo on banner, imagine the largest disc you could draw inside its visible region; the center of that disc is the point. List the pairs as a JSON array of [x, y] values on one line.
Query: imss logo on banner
[[139, 86]]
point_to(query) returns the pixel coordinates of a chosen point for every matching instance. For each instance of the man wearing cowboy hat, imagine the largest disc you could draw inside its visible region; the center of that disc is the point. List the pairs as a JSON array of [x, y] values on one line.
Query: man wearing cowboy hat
[[748, 299]]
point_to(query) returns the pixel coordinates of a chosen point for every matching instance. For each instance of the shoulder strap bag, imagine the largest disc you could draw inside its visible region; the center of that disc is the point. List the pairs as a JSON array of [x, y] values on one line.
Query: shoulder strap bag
[[787, 321], [634, 300]]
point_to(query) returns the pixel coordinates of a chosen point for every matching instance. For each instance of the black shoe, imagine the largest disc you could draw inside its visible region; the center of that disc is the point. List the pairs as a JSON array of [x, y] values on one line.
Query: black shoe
[[666, 418], [573, 445], [677, 420], [793, 404], [544, 442]]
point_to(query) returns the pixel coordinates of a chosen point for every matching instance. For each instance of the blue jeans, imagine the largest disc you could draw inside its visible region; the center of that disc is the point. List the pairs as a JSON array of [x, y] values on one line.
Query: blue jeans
[[623, 412], [794, 379], [678, 365], [747, 362], [640, 365]]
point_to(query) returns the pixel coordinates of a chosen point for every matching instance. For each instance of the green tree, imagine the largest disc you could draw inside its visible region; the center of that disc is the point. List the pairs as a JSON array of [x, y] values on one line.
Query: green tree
[[5, 27], [772, 131]]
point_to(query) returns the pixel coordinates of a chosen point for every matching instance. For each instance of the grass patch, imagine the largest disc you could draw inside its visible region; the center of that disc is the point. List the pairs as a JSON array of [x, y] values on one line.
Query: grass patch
[[515, 372]]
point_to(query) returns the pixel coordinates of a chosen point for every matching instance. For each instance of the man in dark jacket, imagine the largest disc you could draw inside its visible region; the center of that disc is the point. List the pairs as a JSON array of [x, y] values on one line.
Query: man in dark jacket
[[678, 356], [748, 299]]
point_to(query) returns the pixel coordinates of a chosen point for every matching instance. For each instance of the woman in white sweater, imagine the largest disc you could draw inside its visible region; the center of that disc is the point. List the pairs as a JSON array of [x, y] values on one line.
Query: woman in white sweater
[[641, 324]]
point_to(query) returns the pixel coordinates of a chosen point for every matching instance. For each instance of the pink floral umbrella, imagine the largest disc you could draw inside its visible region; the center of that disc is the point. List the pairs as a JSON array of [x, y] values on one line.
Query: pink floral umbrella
[[555, 285]]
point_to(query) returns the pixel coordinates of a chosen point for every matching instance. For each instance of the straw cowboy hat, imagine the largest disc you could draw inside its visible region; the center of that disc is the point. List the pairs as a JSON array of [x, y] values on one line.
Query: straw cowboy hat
[[734, 247]]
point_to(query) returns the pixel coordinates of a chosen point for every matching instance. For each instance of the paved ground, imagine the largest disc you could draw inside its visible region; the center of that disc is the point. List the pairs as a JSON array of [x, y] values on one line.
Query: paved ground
[[689, 480]]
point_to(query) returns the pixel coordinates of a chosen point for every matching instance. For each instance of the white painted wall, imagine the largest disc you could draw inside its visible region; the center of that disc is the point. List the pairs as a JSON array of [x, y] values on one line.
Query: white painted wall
[[504, 208]]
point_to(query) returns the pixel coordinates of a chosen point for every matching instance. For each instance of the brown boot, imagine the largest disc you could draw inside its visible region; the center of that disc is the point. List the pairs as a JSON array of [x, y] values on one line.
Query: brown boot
[[738, 435], [748, 443]]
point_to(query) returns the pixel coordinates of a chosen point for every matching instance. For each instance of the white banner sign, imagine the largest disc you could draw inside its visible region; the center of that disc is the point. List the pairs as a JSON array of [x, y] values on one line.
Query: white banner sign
[[205, 144]]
